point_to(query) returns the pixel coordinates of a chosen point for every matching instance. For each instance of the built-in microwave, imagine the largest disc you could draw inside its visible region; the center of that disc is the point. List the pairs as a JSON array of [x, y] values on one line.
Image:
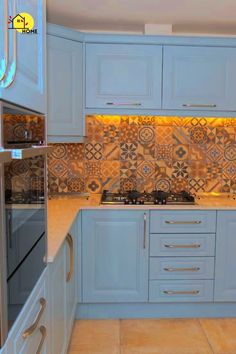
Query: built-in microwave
[[23, 209]]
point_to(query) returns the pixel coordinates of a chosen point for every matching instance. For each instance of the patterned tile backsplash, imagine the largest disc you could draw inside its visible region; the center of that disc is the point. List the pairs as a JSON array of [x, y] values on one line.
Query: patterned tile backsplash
[[147, 152]]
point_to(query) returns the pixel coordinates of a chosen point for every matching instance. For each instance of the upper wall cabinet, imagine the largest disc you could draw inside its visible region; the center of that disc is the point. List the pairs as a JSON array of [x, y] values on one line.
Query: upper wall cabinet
[[65, 87], [123, 76], [199, 78], [22, 55]]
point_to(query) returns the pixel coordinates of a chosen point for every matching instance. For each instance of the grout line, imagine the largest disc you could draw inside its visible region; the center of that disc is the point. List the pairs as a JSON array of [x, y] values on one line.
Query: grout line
[[205, 335]]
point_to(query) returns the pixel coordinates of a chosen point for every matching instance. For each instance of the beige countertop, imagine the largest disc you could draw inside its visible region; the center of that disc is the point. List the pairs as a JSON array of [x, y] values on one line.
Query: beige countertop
[[62, 212]]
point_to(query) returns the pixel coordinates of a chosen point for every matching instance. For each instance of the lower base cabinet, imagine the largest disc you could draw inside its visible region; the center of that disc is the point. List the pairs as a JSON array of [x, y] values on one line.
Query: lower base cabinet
[[63, 293], [22, 339], [225, 265]]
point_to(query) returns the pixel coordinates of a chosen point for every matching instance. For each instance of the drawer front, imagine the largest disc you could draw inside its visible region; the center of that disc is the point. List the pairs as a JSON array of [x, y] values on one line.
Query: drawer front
[[181, 221], [182, 245], [180, 290], [35, 308], [181, 268]]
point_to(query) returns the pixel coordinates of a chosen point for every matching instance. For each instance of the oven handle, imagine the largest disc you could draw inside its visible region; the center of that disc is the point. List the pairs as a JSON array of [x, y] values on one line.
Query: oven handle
[[30, 330]]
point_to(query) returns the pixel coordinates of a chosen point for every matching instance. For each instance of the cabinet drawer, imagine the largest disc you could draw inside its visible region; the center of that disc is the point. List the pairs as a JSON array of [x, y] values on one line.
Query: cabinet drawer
[[181, 221], [180, 290], [35, 308], [182, 268], [182, 245]]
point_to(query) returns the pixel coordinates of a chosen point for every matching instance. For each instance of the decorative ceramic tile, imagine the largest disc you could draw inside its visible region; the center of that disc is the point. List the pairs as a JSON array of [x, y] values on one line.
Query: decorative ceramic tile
[[92, 169], [94, 185], [198, 135], [163, 184], [128, 151], [146, 152], [76, 185], [127, 184], [180, 170], [179, 184], [197, 185], [193, 153], [181, 152], [215, 152], [93, 151], [111, 134], [197, 169], [111, 151], [75, 168], [128, 168], [110, 169], [128, 133], [230, 152], [63, 185], [146, 169], [181, 136], [146, 135], [164, 135], [164, 152]]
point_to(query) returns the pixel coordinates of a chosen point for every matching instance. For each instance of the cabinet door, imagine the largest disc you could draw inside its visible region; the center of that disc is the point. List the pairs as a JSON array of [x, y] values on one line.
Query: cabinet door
[[71, 276], [199, 78], [58, 304], [3, 37], [225, 266], [123, 75], [65, 86], [115, 256], [28, 87]]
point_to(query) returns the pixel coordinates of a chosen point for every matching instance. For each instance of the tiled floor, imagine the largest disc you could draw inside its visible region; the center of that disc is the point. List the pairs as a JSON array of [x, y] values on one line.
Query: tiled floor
[[175, 336]]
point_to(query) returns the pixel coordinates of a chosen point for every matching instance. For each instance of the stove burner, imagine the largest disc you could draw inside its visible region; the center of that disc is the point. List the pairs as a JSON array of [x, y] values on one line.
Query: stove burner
[[156, 197]]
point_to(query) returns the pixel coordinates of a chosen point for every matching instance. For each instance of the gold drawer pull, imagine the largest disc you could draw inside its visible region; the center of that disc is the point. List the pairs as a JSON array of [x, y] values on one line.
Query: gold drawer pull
[[173, 292], [123, 104], [30, 330], [199, 105], [43, 331], [193, 269], [70, 243], [194, 245], [193, 222]]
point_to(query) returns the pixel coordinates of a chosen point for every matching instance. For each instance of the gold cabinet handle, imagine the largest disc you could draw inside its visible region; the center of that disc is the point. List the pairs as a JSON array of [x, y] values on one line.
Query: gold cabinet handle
[[199, 105], [10, 77], [195, 245], [144, 230], [70, 243], [43, 332], [30, 330], [171, 269], [4, 61], [123, 104], [173, 222], [173, 292]]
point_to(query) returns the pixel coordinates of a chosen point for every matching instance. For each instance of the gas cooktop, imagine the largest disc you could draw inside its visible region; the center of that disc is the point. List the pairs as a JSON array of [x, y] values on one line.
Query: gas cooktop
[[155, 197]]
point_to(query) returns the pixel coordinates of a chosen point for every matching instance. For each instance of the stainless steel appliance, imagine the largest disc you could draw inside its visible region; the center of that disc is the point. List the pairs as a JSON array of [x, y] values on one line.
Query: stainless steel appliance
[[23, 210], [143, 198]]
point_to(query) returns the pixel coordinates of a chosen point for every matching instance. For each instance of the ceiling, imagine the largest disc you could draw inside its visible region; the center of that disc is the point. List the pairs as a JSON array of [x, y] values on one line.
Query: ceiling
[[186, 16]]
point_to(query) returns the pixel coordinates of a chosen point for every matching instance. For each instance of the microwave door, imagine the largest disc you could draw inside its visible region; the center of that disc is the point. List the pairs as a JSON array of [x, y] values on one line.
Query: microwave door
[[3, 270]]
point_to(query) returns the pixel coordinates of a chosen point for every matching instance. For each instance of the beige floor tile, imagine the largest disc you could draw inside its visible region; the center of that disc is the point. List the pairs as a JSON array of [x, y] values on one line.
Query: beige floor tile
[[176, 336], [95, 337], [221, 334]]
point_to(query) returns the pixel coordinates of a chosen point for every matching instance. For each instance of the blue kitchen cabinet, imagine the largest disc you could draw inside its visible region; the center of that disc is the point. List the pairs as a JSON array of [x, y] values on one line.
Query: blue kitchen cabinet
[[64, 88], [225, 263], [24, 81], [63, 292], [199, 78], [23, 339], [123, 76], [115, 256]]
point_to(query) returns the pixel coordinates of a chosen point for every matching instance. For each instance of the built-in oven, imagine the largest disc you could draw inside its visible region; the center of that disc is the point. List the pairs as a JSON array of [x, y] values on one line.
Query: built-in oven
[[23, 209]]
